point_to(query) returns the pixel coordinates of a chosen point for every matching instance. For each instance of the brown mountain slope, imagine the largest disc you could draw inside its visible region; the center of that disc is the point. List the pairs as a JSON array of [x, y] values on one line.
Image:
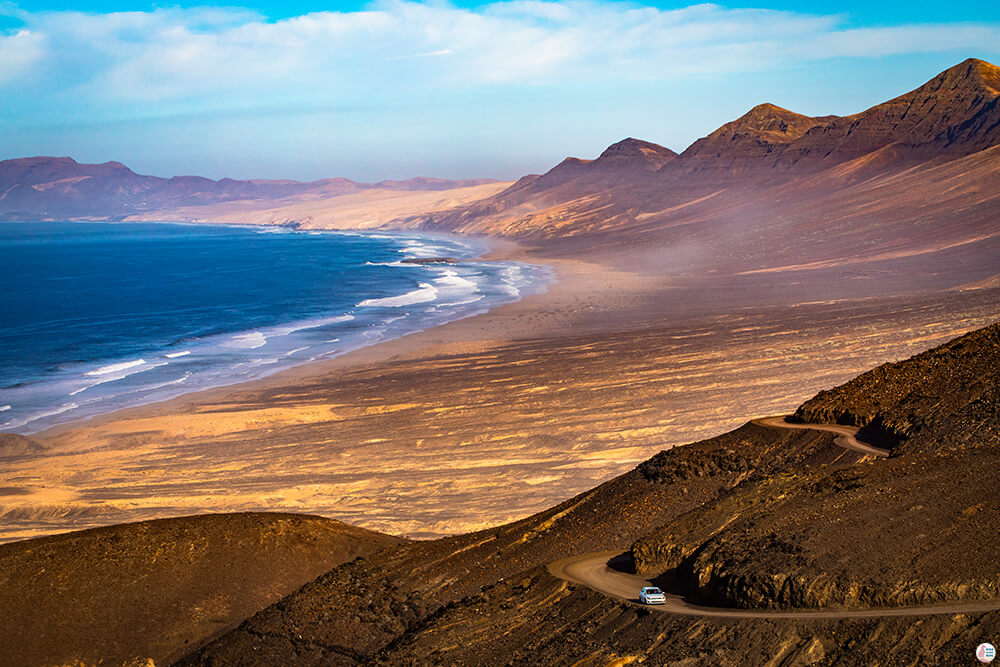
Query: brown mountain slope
[[620, 165], [759, 517], [862, 228], [156, 589], [954, 115], [751, 144]]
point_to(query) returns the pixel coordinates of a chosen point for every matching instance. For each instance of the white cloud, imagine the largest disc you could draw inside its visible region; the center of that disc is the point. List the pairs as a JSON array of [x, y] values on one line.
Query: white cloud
[[20, 53], [177, 59]]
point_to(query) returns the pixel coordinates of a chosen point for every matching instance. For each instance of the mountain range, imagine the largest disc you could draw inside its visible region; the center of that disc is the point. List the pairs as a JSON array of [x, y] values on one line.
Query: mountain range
[[634, 185], [60, 187], [643, 188]]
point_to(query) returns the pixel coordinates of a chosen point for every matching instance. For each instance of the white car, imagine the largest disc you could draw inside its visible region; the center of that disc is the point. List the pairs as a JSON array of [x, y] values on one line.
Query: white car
[[652, 595]]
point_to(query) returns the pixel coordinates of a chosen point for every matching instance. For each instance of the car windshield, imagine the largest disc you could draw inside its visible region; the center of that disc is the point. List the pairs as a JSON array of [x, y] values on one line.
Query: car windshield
[[654, 591]]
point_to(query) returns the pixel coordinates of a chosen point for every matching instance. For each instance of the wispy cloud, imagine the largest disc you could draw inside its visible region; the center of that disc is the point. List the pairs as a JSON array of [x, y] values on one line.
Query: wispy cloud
[[184, 59]]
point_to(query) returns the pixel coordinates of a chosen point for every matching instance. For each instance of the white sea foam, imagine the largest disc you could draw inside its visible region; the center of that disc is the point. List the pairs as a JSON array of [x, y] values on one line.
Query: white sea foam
[[248, 341], [310, 324], [168, 383], [298, 349], [65, 407], [4, 408], [145, 389], [114, 368], [452, 279], [511, 277], [421, 250], [467, 301], [121, 372], [426, 292], [174, 355]]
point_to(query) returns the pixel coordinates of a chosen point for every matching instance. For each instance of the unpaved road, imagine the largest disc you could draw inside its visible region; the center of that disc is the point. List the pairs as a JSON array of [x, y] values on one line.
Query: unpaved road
[[603, 572], [847, 439], [593, 570]]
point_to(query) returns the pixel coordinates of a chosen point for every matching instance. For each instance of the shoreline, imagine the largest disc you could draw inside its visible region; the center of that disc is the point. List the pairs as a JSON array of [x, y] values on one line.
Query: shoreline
[[479, 249], [471, 334]]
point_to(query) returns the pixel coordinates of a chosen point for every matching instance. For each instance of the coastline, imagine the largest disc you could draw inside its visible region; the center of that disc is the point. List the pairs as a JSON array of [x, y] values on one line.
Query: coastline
[[470, 283], [454, 335], [479, 421]]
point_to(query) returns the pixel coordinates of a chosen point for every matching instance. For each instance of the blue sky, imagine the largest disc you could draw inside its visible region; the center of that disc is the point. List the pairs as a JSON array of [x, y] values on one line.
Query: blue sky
[[394, 89]]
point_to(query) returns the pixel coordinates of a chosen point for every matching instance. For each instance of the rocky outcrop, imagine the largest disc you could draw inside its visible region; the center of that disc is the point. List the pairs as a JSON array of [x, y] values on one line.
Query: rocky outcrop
[[945, 399], [904, 531]]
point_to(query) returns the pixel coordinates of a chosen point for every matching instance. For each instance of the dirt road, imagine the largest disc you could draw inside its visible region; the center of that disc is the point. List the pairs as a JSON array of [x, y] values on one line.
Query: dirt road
[[607, 572]]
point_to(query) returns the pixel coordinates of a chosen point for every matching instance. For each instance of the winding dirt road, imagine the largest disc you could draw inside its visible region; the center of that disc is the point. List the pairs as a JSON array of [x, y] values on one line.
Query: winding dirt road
[[848, 434], [595, 571], [605, 572]]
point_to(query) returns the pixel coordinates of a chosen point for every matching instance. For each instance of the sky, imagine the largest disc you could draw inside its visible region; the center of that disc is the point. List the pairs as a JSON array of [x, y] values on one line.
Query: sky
[[395, 89]]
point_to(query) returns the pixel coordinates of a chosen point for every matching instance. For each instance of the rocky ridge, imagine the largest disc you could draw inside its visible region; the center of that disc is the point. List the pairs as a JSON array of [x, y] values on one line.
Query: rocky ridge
[[777, 540], [901, 404]]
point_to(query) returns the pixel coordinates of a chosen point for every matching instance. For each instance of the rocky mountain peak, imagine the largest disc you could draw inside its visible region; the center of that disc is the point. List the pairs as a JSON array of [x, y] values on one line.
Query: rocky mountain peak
[[636, 152], [769, 122], [969, 75]]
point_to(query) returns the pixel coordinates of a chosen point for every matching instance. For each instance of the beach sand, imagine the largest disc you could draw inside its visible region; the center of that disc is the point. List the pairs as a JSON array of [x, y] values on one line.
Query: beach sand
[[488, 419]]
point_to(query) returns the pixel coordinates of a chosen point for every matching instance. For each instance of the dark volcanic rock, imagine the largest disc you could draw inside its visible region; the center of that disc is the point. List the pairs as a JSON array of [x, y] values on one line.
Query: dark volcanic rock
[[790, 540], [943, 400], [334, 614], [756, 518]]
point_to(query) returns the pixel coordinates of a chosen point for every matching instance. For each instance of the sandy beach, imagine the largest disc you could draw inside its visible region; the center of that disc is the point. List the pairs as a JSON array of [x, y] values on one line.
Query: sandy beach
[[483, 420]]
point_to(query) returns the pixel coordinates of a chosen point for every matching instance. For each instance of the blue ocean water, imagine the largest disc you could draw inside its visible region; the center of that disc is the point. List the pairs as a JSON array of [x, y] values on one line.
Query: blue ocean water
[[99, 316]]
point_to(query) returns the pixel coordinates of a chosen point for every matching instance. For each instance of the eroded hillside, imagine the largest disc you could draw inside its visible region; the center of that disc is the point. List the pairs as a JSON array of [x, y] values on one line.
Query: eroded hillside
[[757, 518]]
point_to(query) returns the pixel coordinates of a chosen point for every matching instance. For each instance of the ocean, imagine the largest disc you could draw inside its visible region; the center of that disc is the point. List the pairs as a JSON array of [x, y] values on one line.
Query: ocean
[[95, 317]]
